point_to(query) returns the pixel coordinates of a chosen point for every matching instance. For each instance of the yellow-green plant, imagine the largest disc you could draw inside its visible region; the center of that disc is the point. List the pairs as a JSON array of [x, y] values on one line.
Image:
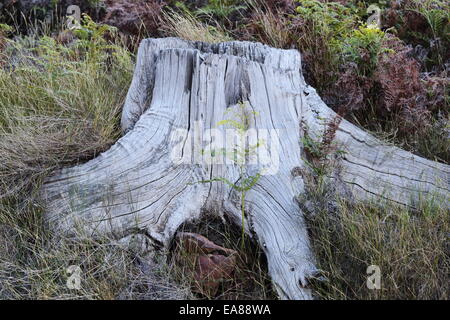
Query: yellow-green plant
[[323, 28], [239, 155], [91, 37], [363, 47]]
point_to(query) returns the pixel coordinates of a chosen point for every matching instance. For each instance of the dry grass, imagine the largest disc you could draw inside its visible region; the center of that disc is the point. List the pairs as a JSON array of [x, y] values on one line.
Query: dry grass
[[411, 249], [188, 27], [33, 265], [410, 246], [270, 26], [58, 105]]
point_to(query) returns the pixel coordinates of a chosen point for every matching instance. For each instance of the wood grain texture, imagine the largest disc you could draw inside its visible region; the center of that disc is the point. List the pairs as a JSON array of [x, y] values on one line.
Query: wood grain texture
[[180, 89]]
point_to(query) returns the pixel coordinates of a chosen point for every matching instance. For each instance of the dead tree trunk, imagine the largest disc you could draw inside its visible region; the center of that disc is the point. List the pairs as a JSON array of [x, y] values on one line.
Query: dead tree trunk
[[146, 181]]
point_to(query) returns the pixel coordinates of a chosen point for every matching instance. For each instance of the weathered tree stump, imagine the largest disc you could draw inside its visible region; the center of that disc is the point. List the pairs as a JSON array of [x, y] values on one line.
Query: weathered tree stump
[[146, 181]]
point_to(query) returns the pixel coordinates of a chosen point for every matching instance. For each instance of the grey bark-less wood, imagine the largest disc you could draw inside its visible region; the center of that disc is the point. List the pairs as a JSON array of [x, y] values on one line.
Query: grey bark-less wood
[[140, 184]]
